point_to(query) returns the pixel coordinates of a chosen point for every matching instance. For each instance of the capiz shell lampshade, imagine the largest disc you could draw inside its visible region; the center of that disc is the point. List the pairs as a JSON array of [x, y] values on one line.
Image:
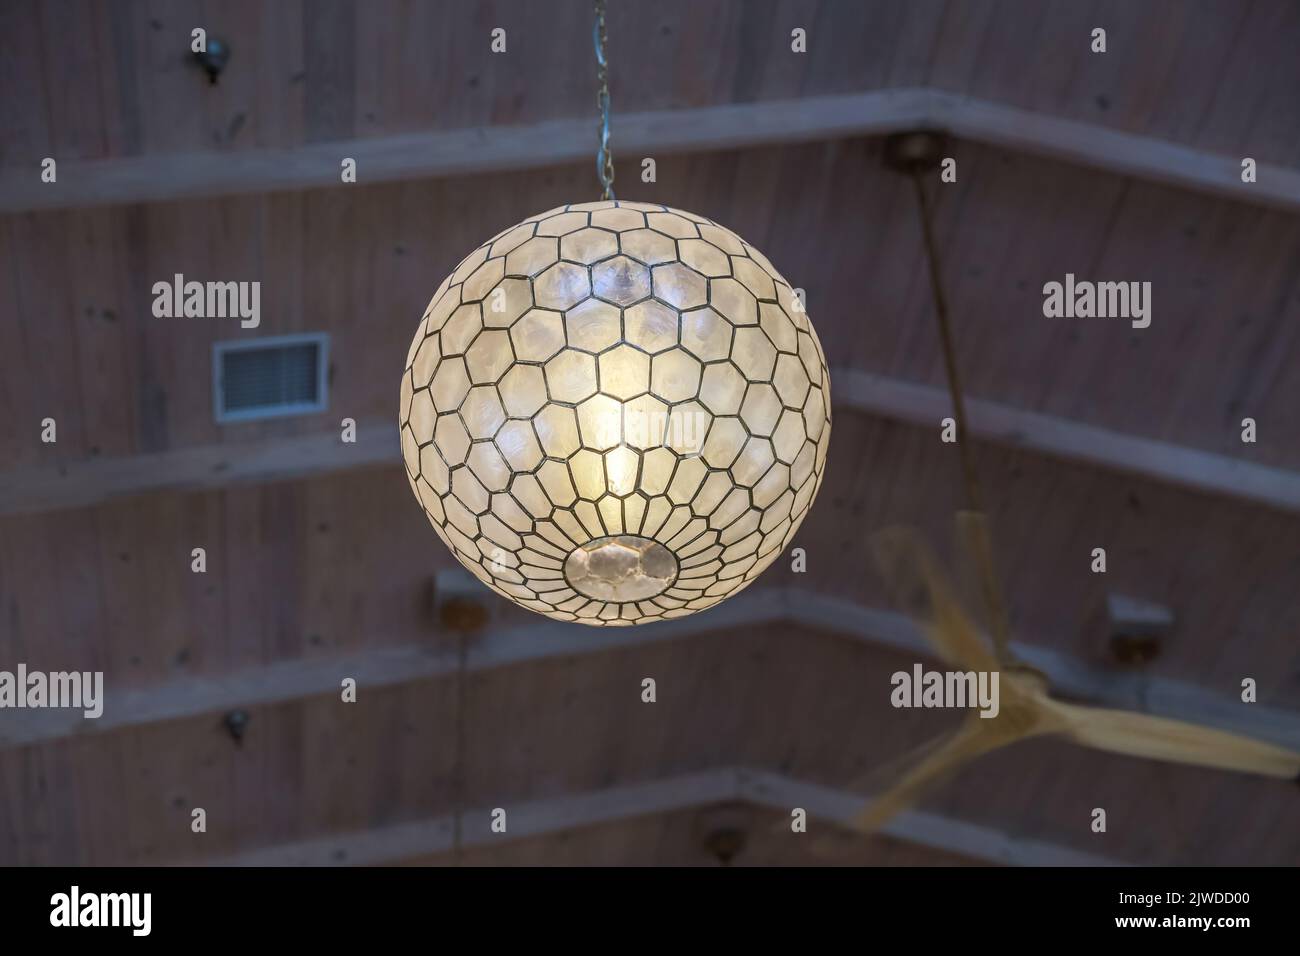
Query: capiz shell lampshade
[[615, 413]]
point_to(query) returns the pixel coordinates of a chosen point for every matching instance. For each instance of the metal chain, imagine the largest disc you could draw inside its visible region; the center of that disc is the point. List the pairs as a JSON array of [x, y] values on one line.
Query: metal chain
[[604, 160]]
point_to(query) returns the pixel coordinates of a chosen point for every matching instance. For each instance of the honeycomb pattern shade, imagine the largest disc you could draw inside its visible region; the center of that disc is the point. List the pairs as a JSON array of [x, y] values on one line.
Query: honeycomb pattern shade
[[615, 413]]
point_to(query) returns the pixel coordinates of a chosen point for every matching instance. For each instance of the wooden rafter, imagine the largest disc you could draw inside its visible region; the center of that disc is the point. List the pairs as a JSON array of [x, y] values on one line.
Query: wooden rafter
[[75, 485], [1070, 440], [500, 148], [574, 811], [544, 640]]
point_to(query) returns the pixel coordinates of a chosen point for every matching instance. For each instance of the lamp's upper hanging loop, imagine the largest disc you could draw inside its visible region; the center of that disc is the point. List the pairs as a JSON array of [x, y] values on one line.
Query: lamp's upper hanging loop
[[604, 160]]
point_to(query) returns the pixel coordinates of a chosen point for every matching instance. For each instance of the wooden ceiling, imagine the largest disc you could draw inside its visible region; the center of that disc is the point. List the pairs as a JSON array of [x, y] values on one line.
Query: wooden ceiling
[[333, 568], [93, 80], [366, 260]]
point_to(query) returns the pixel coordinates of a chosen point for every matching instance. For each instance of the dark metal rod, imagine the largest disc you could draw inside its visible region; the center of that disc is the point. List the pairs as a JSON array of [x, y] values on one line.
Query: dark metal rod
[[988, 576]]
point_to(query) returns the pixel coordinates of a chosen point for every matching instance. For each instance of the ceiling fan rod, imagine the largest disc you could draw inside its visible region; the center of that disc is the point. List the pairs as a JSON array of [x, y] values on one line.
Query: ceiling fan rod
[[915, 153]]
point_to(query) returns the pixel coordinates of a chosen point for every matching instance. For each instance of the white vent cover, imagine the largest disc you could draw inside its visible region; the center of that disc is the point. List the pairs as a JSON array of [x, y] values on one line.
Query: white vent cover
[[269, 377]]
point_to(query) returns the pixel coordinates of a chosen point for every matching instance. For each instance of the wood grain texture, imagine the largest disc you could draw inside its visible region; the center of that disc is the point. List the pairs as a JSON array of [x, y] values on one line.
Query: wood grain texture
[[316, 771], [340, 563], [1214, 77], [503, 149], [1090, 434], [390, 664], [933, 839], [362, 263], [674, 839], [77, 485]]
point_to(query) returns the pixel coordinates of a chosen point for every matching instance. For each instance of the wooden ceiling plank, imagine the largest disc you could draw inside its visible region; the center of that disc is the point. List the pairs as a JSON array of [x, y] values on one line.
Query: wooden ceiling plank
[[1058, 437], [484, 149], [573, 811], [52, 487], [506, 646], [55, 487], [923, 828], [1128, 154], [293, 679], [536, 818]]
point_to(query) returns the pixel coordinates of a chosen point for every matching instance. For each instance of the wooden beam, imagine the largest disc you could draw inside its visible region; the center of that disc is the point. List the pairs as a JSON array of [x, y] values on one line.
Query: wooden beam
[[455, 152], [452, 152], [1113, 150], [1069, 677], [92, 481], [506, 646], [932, 830], [401, 664], [768, 791], [1069, 440], [428, 837]]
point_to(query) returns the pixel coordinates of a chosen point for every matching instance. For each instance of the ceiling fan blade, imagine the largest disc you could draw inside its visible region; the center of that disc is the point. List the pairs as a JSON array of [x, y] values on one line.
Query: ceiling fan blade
[[975, 545], [975, 737], [1160, 738], [918, 583]]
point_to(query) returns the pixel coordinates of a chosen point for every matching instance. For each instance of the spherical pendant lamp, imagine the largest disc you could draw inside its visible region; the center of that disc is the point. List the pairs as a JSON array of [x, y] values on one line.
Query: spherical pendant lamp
[[615, 413]]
